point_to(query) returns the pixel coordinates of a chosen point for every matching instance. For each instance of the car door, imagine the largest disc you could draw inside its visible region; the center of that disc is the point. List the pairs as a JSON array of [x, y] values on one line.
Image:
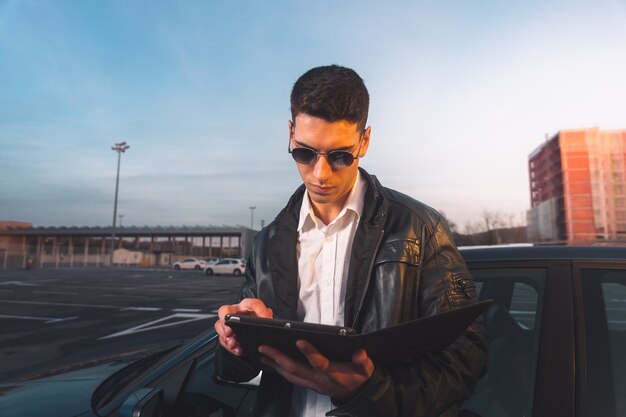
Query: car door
[[602, 336], [188, 264], [513, 325], [186, 386], [221, 267], [531, 339]]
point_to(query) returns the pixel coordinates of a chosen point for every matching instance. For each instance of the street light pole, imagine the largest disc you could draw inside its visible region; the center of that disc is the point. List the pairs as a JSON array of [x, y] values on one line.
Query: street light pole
[[119, 148], [252, 217]]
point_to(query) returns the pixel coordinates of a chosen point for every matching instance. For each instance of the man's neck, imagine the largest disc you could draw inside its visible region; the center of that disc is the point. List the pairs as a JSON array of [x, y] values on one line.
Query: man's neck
[[328, 212]]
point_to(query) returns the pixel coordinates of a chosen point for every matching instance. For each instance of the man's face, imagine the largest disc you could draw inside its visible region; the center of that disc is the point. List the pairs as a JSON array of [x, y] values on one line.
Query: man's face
[[328, 187]]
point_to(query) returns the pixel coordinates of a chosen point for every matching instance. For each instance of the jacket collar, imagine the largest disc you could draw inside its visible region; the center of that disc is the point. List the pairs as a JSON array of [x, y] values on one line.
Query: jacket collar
[[282, 260], [366, 242], [283, 263], [354, 204]]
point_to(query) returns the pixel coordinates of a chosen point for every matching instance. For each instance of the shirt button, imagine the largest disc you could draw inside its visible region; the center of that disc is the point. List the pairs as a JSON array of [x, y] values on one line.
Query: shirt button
[[329, 239], [328, 283]]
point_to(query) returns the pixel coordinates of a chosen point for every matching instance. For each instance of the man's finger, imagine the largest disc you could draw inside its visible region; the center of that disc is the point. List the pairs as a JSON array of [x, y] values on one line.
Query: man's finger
[[282, 360], [304, 382], [256, 306], [245, 306], [363, 361], [359, 357], [223, 330], [315, 358]]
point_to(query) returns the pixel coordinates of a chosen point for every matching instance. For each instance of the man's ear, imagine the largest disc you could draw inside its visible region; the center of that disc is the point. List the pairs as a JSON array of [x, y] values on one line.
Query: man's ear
[[291, 126], [365, 142]]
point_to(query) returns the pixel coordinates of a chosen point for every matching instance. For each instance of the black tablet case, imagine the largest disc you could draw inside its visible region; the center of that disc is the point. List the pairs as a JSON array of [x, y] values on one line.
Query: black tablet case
[[405, 341]]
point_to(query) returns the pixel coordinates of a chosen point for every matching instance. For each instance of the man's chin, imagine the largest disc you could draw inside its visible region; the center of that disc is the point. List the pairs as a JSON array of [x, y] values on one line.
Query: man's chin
[[320, 199]]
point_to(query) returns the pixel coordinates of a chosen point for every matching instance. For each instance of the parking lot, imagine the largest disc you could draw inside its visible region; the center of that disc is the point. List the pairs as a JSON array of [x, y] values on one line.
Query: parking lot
[[57, 318]]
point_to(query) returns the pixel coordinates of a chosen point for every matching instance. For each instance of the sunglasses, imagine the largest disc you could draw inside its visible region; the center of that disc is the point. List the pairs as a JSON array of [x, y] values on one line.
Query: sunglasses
[[337, 159]]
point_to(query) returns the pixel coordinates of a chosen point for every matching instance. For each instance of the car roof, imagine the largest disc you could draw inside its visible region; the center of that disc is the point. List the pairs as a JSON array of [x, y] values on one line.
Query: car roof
[[510, 253]]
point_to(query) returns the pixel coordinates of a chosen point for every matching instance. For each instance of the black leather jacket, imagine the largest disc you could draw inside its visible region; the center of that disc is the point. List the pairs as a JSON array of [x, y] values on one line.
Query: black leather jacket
[[404, 265]]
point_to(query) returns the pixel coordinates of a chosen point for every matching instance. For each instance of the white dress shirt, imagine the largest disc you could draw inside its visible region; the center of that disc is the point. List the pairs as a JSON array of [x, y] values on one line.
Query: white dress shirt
[[323, 253]]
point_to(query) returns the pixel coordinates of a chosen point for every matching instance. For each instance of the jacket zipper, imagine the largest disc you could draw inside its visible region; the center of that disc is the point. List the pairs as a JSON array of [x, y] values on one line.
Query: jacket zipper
[[369, 275], [463, 284]]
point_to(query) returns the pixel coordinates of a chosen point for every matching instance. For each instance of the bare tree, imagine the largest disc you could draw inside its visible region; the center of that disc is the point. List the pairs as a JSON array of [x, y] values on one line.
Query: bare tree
[[471, 228], [492, 228], [491, 220], [510, 220]]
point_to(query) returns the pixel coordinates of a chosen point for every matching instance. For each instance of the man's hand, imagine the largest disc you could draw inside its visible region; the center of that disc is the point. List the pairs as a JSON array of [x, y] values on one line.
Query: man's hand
[[247, 306], [340, 380]]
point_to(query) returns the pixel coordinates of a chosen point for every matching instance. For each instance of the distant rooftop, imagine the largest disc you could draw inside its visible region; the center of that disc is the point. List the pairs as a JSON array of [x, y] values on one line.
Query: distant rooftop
[[22, 229]]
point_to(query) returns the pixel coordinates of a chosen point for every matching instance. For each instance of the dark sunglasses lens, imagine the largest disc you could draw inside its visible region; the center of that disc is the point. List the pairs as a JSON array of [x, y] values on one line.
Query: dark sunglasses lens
[[340, 159], [303, 155]]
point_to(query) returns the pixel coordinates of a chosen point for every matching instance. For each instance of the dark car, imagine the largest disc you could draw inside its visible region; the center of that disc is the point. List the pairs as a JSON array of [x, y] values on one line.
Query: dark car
[[557, 347]]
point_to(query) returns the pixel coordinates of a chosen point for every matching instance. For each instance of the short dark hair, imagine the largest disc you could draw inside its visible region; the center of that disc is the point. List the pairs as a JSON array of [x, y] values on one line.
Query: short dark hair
[[332, 93]]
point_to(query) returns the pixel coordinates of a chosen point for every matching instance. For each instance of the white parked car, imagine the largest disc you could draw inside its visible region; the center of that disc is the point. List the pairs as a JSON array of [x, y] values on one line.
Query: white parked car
[[190, 263], [226, 266]]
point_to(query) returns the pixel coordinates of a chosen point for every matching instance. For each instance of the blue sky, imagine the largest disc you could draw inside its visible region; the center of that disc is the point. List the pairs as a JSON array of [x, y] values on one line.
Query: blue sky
[[461, 92]]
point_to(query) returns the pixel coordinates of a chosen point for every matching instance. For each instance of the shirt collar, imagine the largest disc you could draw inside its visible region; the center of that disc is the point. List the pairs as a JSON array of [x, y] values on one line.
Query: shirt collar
[[353, 203]]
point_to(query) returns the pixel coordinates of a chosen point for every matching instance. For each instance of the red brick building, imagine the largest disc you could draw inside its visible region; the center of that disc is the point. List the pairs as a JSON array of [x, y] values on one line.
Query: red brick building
[[578, 186]]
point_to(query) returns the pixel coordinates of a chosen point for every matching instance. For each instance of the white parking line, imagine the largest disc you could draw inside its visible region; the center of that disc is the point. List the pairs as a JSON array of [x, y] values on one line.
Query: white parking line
[[19, 283], [44, 303], [156, 324], [142, 308], [186, 310], [46, 319], [126, 296], [64, 319], [55, 292]]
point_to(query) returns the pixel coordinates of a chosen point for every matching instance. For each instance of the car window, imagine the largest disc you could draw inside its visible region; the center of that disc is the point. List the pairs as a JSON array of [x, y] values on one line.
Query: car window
[[604, 302], [204, 395], [512, 326], [524, 304]]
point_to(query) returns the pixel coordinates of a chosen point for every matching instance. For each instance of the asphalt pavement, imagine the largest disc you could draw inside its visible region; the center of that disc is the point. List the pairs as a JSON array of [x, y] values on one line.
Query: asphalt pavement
[[56, 319]]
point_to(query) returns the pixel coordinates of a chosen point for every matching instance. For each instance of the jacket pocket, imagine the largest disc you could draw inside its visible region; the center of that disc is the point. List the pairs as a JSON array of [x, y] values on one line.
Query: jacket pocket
[[397, 275], [399, 250]]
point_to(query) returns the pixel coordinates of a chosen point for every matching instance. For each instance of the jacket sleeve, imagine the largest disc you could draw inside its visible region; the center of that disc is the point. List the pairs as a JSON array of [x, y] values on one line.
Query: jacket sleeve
[[229, 367], [438, 382]]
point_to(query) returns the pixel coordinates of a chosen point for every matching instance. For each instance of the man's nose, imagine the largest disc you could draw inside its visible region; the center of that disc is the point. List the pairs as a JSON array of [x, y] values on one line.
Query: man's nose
[[322, 169]]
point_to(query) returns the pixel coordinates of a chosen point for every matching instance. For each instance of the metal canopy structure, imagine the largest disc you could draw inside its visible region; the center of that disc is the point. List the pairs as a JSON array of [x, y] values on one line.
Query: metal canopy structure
[[133, 245]]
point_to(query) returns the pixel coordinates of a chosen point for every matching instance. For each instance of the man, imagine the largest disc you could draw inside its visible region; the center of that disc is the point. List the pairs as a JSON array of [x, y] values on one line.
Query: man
[[347, 251]]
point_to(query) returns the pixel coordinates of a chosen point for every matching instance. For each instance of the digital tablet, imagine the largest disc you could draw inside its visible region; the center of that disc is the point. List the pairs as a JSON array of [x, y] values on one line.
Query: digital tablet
[[398, 343]]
